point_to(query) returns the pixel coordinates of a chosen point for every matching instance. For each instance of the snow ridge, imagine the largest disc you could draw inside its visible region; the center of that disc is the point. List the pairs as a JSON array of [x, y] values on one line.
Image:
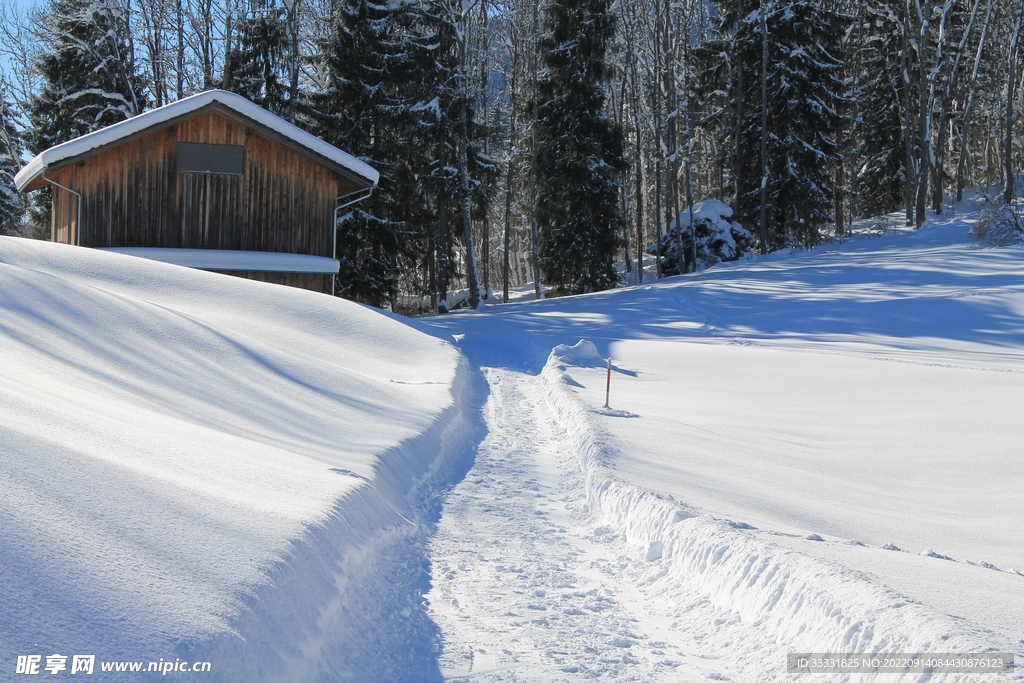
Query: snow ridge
[[753, 589], [204, 468], [347, 602]]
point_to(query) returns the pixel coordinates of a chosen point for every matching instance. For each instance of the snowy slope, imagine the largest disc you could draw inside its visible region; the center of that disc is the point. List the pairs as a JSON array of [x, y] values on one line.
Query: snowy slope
[[778, 427], [199, 467]]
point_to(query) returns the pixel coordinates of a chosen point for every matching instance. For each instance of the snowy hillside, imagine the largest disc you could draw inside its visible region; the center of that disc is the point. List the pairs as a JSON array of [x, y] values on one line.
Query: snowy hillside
[[807, 452], [196, 467]]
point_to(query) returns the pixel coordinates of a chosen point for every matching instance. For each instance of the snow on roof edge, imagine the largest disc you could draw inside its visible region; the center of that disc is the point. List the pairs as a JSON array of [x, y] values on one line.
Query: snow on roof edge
[[233, 260], [153, 117]]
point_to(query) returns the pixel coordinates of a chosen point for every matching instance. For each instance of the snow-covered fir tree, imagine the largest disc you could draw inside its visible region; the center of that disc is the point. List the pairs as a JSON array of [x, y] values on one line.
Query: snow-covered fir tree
[[87, 75], [579, 150], [12, 206], [459, 175], [878, 93], [804, 88], [256, 66], [87, 71], [727, 74], [719, 239], [397, 99], [381, 105]]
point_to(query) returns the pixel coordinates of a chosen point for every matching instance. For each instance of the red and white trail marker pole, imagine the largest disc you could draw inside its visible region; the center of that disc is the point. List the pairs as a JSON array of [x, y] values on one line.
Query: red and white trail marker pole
[[608, 385]]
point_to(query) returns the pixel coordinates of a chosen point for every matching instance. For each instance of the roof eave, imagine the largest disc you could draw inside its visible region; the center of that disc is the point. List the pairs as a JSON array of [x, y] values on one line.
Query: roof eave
[[31, 176]]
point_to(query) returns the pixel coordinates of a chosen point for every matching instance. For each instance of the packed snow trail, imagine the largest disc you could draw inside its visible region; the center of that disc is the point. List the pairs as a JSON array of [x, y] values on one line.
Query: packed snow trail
[[547, 566], [524, 587]]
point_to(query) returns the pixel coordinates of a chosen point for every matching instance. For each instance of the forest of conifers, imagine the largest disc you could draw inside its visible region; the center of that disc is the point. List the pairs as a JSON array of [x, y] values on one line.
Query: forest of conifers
[[544, 140]]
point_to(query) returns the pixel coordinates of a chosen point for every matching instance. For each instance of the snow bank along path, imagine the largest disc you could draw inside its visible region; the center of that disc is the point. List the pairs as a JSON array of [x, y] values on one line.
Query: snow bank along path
[[926, 316], [526, 587], [772, 595], [206, 468]]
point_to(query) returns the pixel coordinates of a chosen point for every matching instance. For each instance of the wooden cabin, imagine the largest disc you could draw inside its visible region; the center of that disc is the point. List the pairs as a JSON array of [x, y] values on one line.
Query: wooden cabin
[[211, 181]]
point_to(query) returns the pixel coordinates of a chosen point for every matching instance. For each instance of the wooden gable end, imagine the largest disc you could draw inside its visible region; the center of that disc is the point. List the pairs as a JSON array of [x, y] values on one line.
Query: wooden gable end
[[133, 194]]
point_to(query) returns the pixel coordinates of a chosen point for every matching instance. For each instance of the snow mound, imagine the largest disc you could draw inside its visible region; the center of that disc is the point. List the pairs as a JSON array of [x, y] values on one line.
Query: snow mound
[[582, 354], [718, 238], [201, 467], [709, 209]]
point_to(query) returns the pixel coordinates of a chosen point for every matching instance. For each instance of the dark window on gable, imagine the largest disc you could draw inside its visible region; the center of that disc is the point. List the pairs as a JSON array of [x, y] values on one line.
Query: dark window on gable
[[201, 158]]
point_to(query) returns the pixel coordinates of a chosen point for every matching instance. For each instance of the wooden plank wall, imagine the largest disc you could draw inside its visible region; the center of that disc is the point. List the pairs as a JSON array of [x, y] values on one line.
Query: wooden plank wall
[[311, 281], [133, 195]]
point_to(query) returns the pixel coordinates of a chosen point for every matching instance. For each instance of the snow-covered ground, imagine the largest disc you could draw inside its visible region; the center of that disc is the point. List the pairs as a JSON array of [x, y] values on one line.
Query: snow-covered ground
[[808, 452], [196, 467]]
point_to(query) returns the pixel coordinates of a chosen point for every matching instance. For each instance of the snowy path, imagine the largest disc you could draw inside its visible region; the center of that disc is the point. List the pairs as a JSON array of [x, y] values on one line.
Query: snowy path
[[524, 586]]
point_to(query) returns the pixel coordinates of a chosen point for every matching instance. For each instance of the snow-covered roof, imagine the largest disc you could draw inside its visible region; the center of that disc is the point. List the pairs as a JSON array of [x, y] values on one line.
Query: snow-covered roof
[[229, 260], [174, 110]]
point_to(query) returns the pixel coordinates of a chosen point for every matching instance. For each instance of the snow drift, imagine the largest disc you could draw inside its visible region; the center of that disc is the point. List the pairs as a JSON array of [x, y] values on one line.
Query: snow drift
[[200, 467]]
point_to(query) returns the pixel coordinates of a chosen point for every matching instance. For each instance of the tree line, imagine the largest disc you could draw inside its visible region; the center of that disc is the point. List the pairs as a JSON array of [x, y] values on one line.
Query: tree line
[[544, 141]]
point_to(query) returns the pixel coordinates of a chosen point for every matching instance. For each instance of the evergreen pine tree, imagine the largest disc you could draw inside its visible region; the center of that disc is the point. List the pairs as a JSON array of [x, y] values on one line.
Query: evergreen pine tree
[[878, 127], [12, 206], [380, 105], [255, 67], [87, 72], [579, 150], [461, 171], [728, 73], [805, 89], [88, 79]]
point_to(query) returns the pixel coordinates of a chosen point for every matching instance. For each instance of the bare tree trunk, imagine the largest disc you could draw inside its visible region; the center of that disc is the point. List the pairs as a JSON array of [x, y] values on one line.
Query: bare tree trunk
[[487, 149], [1011, 82], [294, 22], [910, 181], [534, 228], [659, 158], [206, 39], [465, 197], [639, 199], [513, 48], [737, 168], [764, 131], [179, 56], [621, 109], [444, 248], [638, 132], [467, 218], [432, 270], [154, 18], [688, 132], [939, 149], [921, 175], [966, 126], [671, 120]]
